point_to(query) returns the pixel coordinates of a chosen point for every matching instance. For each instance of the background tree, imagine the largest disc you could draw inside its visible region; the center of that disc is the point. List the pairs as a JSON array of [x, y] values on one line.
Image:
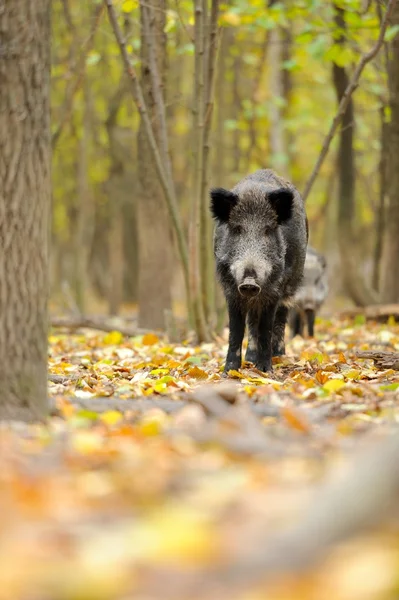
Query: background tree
[[154, 234], [258, 109], [389, 272], [25, 190]]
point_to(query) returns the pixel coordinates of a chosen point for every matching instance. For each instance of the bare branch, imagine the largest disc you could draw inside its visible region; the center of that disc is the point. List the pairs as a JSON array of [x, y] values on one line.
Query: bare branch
[[353, 84], [138, 97]]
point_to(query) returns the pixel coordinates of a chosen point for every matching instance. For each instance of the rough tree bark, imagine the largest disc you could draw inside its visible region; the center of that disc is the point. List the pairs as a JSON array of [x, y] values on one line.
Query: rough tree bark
[[354, 283], [25, 193], [155, 240], [389, 263]]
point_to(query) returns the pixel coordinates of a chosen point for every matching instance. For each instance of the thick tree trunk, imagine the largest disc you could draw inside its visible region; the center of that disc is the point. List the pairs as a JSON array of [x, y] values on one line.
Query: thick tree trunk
[[390, 256], [155, 240], [25, 192]]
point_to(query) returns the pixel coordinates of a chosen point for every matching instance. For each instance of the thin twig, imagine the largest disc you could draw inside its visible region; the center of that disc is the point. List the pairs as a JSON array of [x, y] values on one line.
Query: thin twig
[[353, 84], [138, 97], [80, 70]]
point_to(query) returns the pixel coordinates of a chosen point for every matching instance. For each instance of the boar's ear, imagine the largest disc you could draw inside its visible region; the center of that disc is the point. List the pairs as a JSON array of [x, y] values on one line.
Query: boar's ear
[[282, 202], [222, 201]]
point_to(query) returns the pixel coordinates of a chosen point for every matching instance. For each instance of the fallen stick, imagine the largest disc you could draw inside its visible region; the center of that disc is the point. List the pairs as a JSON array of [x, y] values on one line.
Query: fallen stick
[[374, 312], [383, 360], [82, 322]]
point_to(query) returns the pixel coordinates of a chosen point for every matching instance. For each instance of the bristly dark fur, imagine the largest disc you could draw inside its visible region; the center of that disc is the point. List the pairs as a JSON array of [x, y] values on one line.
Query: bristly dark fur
[[259, 244]]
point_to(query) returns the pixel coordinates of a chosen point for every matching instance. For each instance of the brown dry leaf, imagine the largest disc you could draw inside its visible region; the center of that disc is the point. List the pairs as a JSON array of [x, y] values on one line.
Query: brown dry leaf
[[296, 419], [321, 377], [197, 373]]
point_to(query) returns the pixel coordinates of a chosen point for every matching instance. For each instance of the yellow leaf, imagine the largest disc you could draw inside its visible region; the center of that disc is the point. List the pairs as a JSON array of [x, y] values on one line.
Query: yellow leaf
[[333, 385], [128, 6], [197, 373], [86, 442], [236, 374], [150, 339], [175, 534], [231, 18], [113, 338], [353, 374], [153, 423], [111, 417]]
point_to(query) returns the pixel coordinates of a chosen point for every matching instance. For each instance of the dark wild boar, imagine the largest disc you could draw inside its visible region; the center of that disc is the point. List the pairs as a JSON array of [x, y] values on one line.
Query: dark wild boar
[[310, 295], [260, 246]]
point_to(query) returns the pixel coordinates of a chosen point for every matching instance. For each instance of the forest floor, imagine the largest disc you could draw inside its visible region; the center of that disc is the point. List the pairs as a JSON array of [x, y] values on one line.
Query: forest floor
[[155, 478]]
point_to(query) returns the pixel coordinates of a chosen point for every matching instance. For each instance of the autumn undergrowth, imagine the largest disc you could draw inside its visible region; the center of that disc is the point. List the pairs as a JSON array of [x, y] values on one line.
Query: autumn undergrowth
[[136, 480]]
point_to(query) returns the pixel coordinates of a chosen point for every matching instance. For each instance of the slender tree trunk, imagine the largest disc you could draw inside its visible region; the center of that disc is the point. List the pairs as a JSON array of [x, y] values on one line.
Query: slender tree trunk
[[353, 280], [389, 264], [380, 221], [116, 198], [84, 230], [278, 150], [236, 107], [196, 233], [25, 196], [211, 41], [155, 239]]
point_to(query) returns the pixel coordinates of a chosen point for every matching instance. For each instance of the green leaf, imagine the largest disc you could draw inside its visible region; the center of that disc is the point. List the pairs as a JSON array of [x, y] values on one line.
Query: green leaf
[[194, 360], [391, 387], [360, 320], [391, 33], [93, 58]]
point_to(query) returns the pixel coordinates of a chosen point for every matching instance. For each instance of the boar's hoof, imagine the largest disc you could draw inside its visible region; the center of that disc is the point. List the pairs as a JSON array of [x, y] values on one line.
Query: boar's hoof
[[265, 368], [249, 288]]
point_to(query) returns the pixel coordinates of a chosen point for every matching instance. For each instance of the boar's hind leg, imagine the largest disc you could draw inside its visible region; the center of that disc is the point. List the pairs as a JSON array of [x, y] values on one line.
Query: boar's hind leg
[[310, 317], [253, 327], [266, 324], [280, 320], [236, 335]]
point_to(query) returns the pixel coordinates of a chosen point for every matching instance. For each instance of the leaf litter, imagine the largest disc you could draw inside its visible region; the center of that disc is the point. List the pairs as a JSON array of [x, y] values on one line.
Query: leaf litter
[[151, 470]]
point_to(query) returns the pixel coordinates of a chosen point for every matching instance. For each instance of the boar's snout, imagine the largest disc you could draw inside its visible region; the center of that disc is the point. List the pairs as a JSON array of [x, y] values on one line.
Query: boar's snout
[[249, 288]]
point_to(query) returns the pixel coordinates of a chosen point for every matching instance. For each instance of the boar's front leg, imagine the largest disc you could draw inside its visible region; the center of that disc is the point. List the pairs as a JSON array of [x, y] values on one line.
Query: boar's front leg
[[279, 331], [266, 324], [236, 336], [253, 332]]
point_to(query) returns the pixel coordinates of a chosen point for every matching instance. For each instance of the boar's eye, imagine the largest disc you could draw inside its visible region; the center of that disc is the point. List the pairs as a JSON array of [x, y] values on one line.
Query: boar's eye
[[236, 229]]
